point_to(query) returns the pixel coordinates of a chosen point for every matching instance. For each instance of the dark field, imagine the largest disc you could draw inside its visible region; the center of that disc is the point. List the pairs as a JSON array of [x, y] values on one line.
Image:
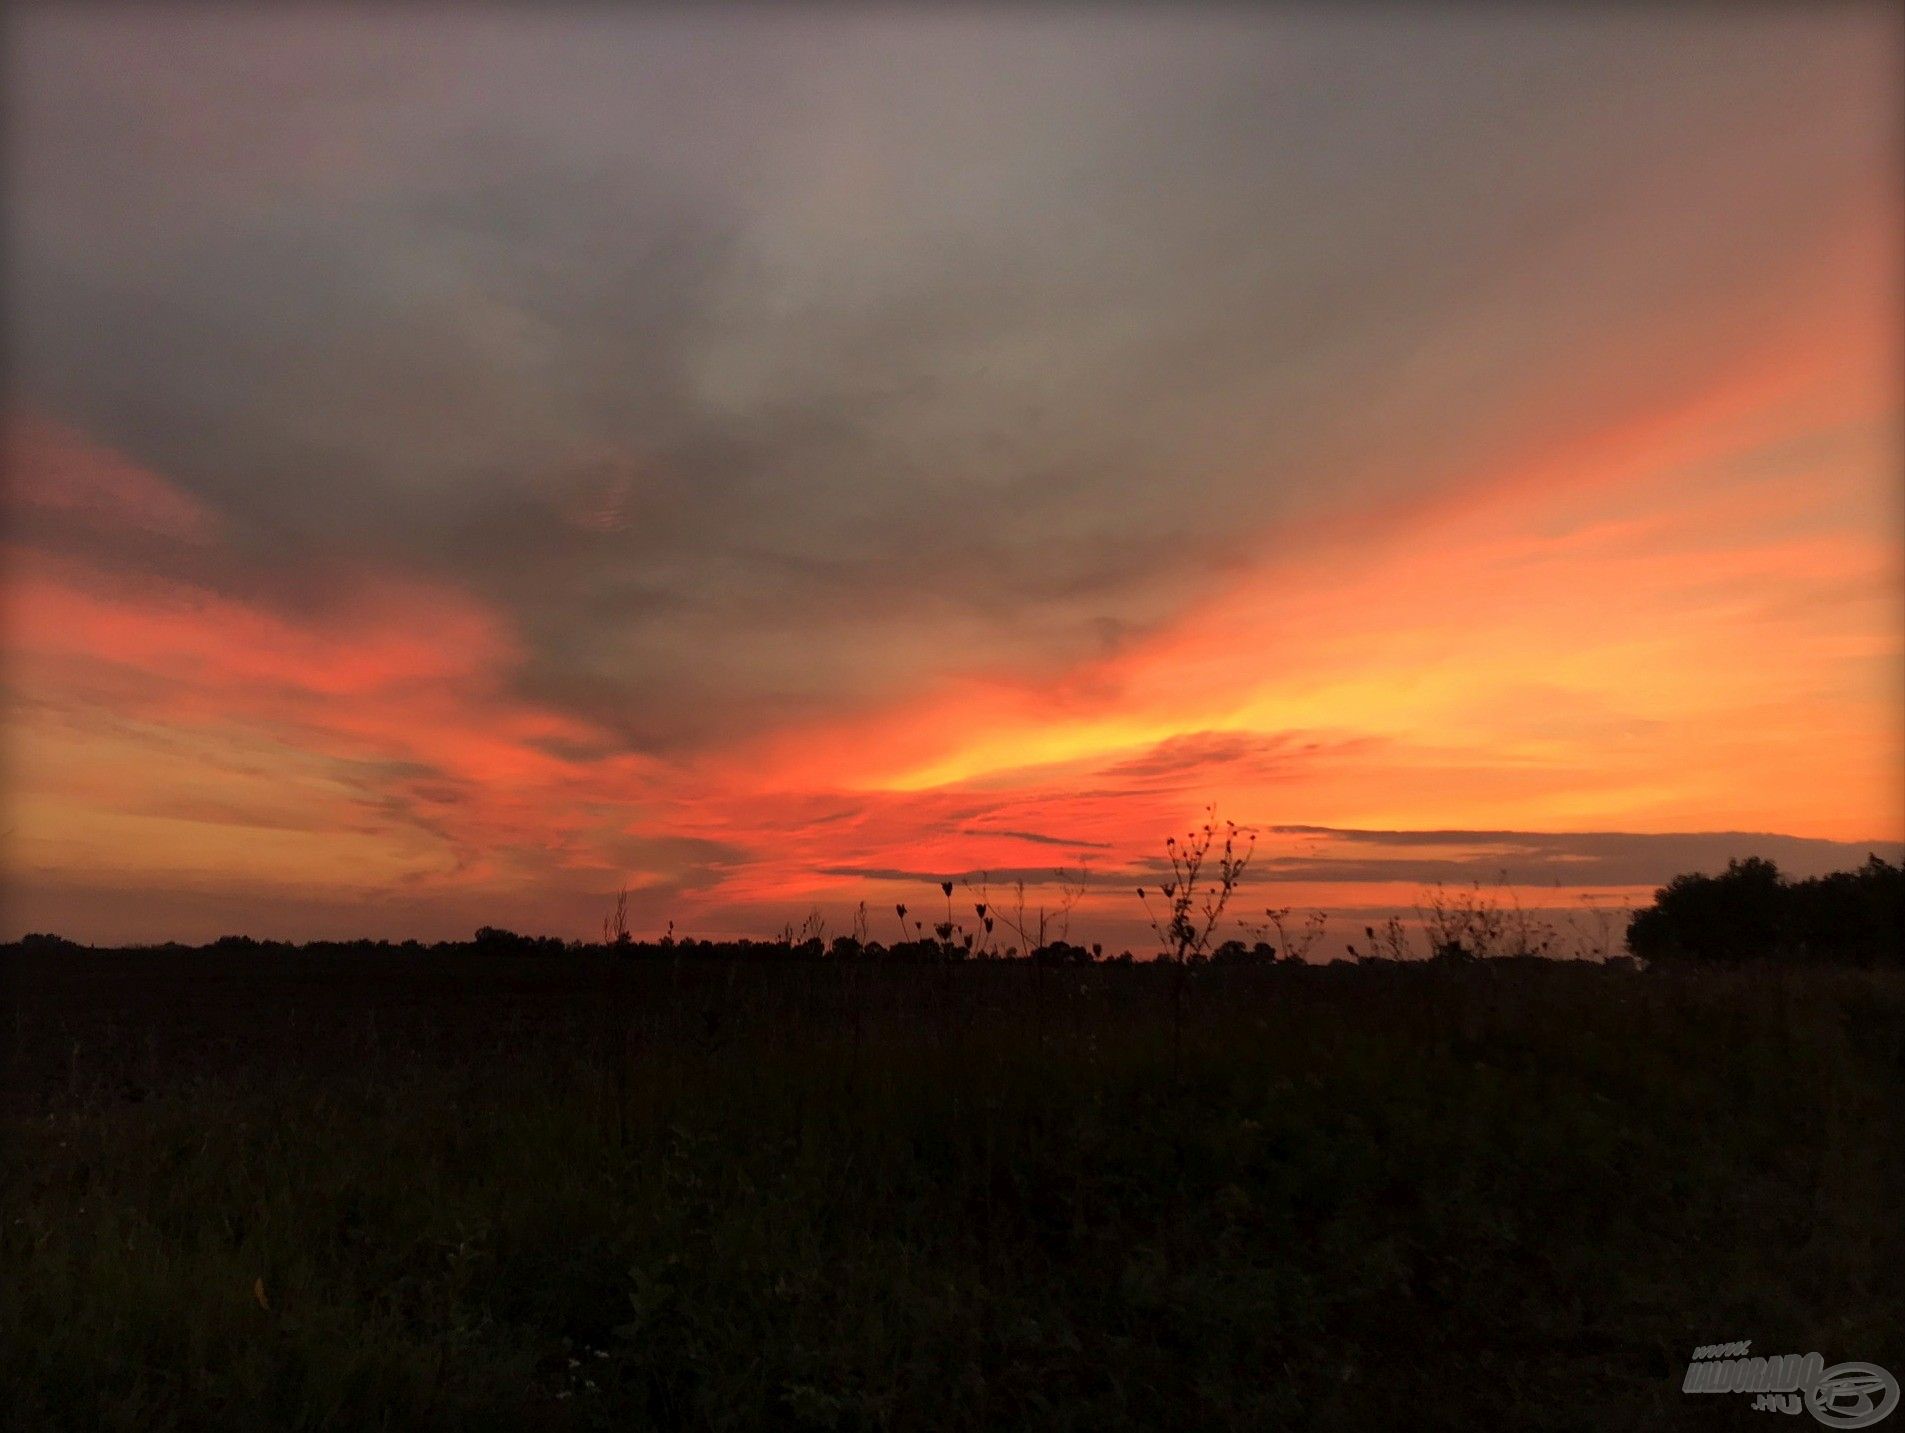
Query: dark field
[[285, 1192]]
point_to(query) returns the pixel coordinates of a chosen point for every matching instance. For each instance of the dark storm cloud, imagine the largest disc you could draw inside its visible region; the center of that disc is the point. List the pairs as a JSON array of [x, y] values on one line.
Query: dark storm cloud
[[1577, 858], [1566, 860], [996, 876], [1204, 758], [1040, 839], [756, 362]]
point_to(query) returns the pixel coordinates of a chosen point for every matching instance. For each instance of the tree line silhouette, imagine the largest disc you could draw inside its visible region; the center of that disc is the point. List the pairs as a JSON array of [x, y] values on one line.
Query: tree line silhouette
[[1753, 912], [1750, 913]]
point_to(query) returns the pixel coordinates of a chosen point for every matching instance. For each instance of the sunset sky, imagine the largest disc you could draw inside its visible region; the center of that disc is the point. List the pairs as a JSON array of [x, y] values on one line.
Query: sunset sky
[[459, 463]]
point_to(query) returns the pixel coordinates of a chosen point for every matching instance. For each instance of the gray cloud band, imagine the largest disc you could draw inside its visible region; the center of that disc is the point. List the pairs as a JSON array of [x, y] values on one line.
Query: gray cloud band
[[765, 364]]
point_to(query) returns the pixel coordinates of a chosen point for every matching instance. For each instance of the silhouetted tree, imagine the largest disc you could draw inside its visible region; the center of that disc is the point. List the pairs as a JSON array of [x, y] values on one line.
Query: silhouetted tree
[[1752, 912]]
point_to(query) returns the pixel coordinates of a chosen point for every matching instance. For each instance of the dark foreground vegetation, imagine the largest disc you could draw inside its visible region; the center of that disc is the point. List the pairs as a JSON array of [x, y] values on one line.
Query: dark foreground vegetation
[[474, 1190]]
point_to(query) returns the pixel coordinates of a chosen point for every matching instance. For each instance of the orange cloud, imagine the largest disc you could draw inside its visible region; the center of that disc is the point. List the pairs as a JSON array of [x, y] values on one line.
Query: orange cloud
[[1632, 634]]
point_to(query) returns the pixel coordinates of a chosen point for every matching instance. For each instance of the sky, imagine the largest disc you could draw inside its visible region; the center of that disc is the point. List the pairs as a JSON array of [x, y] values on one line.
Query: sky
[[462, 463]]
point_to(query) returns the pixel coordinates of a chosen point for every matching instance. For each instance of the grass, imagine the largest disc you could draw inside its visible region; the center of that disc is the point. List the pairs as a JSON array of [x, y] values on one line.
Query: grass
[[590, 1193]]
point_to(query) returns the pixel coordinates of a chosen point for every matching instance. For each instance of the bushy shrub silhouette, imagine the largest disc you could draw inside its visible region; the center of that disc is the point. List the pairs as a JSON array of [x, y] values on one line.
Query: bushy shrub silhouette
[[491, 940]]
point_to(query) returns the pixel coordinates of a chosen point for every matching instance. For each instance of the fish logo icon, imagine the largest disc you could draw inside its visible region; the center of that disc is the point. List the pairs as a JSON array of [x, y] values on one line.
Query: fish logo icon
[[1853, 1395]]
